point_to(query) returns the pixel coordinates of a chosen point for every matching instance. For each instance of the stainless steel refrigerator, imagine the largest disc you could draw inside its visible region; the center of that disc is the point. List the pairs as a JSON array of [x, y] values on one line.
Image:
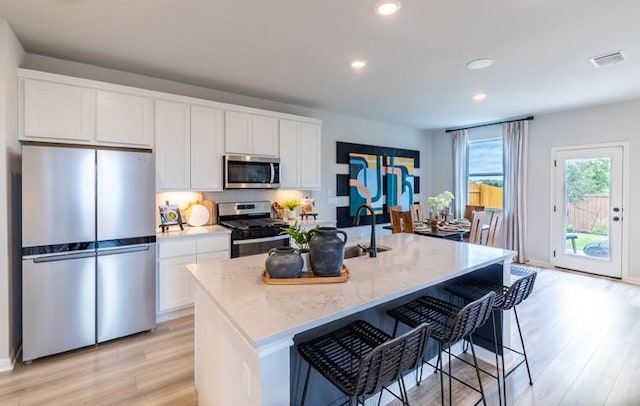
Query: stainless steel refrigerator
[[88, 246]]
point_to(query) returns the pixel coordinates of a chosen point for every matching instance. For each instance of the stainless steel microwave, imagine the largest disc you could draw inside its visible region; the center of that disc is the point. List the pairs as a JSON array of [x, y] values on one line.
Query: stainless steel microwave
[[251, 172]]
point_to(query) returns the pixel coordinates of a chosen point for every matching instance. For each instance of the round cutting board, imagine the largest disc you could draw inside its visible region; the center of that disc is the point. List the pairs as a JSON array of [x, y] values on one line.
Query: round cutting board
[[198, 216]]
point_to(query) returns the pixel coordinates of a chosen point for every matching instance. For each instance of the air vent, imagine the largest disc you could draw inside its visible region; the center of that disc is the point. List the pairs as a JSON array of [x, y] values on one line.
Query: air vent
[[608, 59]]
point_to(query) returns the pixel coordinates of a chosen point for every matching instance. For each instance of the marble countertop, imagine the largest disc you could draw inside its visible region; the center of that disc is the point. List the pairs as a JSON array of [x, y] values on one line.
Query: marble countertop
[[175, 232], [264, 314]]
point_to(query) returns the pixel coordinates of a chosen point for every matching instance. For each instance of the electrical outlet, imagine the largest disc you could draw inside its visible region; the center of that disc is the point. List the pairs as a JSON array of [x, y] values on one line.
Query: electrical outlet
[[246, 378]]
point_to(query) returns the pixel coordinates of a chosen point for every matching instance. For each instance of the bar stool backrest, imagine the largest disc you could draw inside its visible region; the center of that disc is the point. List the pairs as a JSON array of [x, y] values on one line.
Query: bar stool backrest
[[391, 209], [519, 291], [388, 360], [472, 316]]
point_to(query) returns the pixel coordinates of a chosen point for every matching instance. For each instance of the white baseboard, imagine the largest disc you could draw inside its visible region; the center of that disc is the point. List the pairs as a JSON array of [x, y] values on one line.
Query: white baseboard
[[535, 262], [632, 280], [6, 364], [185, 311]]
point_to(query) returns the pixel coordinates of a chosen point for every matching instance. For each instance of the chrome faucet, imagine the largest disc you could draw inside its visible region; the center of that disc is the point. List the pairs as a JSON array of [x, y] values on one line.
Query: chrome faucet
[[372, 250]]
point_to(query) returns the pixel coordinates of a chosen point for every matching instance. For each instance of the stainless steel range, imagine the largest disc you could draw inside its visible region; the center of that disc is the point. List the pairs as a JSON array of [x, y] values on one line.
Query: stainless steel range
[[253, 231]]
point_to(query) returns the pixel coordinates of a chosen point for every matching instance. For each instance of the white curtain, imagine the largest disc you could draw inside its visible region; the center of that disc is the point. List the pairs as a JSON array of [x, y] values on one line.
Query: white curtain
[[460, 172], [515, 136]]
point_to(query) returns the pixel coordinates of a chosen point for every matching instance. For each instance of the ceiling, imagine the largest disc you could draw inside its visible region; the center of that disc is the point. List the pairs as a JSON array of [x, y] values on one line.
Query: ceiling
[[298, 51]]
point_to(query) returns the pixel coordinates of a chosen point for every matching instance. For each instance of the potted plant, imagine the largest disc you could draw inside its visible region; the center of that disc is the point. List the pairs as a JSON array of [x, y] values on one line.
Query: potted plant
[[301, 236], [290, 207]]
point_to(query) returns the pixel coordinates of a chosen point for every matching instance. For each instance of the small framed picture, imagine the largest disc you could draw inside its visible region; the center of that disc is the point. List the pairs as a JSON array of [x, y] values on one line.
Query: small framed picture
[[169, 215]]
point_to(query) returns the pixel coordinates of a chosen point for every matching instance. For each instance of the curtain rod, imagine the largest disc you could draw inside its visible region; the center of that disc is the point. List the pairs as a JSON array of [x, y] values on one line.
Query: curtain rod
[[488, 124]]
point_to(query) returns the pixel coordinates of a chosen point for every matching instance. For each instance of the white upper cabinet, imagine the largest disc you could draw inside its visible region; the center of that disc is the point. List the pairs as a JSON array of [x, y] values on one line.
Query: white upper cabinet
[[57, 111], [289, 154], [299, 155], [251, 134], [77, 114], [124, 119], [310, 163], [173, 127], [207, 148], [189, 147]]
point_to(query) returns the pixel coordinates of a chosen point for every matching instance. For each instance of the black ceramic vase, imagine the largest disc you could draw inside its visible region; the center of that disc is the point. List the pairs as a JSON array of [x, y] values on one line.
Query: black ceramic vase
[[284, 262], [326, 251]]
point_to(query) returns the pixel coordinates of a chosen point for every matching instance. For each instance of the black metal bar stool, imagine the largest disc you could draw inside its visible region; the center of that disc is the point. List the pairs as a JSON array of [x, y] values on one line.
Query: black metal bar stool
[[449, 324], [507, 297], [361, 360]]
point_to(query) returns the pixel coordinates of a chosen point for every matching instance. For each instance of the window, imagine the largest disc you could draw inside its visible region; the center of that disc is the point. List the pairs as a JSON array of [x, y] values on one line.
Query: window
[[486, 173]]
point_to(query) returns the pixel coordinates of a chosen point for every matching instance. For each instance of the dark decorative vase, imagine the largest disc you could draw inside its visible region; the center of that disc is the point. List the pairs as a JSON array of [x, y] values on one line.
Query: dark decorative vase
[[326, 251], [284, 262]]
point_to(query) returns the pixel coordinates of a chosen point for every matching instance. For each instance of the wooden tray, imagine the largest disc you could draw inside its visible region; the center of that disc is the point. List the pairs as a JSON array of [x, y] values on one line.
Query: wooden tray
[[307, 278]]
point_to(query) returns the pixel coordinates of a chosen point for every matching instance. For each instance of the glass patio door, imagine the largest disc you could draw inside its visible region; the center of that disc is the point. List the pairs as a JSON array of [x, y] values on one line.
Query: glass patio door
[[588, 212]]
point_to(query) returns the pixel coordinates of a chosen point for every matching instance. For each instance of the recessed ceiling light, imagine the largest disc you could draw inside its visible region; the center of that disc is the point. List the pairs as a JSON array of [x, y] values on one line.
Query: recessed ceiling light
[[358, 64], [387, 7], [480, 63], [479, 97]]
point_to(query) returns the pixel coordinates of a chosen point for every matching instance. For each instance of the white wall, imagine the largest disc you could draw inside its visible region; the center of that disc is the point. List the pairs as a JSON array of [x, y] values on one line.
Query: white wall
[[335, 127], [11, 55], [594, 125]]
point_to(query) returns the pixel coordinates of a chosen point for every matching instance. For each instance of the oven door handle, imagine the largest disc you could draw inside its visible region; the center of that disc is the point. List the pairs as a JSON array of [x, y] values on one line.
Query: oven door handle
[[273, 172], [255, 240]]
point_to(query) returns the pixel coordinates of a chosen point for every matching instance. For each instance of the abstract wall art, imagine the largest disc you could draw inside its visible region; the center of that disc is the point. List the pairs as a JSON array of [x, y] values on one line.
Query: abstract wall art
[[365, 182], [378, 176], [399, 181]]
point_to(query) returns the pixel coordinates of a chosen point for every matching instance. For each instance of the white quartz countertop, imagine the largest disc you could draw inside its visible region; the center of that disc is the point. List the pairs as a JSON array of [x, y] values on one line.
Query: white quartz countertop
[[175, 232], [264, 313]]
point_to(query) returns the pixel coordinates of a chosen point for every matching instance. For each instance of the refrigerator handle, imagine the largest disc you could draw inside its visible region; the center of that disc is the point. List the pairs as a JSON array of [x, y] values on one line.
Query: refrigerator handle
[[118, 250], [63, 257]]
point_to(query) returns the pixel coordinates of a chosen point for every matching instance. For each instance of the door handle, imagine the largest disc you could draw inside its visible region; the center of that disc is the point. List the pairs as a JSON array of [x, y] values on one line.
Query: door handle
[[616, 209], [616, 218]]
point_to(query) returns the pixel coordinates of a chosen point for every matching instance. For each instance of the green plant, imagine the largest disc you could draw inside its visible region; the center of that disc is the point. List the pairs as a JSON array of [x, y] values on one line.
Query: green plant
[[571, 228], [299, 234], [602, 228], [291, 204]]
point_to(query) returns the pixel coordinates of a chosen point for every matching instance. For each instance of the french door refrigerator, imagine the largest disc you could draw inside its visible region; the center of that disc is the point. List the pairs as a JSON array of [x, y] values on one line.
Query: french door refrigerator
[[88, 239]]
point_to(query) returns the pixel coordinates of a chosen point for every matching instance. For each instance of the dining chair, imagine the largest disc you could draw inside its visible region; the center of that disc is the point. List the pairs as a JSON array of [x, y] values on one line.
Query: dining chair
[[475, 232], [402, 222], [495, 225], [416, 212], [469, 209], [391, 209]]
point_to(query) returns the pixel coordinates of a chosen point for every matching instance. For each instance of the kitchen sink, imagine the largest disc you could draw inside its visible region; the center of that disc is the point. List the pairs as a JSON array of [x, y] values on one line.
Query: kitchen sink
[[355, 251]]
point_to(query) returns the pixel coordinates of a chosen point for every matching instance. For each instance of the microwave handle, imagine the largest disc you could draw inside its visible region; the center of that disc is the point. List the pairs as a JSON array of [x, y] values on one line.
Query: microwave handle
[[273, 172]]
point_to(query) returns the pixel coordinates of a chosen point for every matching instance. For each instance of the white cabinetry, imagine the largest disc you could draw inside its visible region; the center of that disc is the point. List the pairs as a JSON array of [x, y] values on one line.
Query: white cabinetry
[[57, 111], [251, 134], [77, 114], [299, 155], [123, 119], [207, 148], [174, 281], [189, 145], [173, 128]]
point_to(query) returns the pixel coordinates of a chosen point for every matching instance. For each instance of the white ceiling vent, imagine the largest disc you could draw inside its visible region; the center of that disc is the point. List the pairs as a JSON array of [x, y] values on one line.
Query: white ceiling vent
[[608, 59]]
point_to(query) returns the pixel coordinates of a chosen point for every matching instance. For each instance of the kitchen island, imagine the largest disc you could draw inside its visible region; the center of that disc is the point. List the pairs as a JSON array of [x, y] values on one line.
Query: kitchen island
[[245, 330]]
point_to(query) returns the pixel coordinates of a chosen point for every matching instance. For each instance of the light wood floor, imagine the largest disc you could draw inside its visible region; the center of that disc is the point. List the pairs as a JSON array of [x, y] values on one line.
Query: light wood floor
[[582, 335]]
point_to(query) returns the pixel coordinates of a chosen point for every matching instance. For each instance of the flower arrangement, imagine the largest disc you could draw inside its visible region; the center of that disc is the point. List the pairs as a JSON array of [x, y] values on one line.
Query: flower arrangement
[[441, 201]]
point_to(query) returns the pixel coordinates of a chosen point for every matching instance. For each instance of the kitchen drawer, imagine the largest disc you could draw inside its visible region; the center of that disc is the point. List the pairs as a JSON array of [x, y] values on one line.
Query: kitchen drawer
[[213, 256], [177, 248], [216, 243]]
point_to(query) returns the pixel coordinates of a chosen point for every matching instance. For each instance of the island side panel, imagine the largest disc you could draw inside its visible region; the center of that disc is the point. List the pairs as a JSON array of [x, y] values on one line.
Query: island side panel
[[229, 370]]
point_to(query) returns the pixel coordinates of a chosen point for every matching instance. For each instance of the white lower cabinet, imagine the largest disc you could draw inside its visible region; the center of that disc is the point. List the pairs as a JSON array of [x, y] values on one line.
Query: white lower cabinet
[[174, 281]]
